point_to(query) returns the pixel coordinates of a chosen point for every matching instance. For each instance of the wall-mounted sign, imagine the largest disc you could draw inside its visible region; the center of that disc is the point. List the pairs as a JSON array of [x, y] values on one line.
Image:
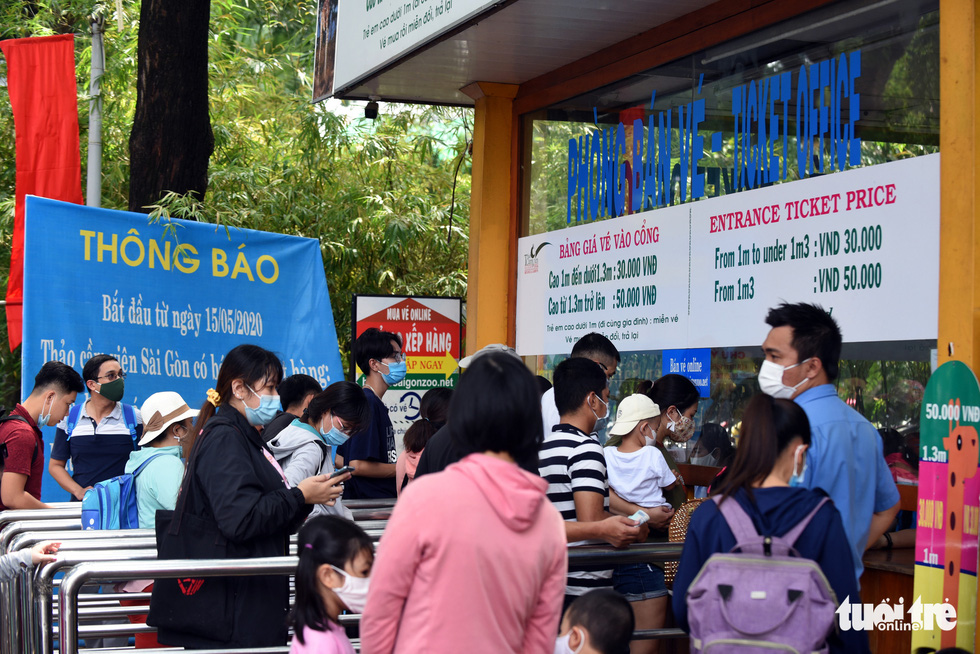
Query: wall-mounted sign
[[369, 34], [860, 243], [431, 340], [693, 364]]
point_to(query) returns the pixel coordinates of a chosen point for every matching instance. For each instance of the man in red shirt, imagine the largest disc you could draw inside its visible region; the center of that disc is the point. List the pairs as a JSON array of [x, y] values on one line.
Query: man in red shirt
[[21, 443]]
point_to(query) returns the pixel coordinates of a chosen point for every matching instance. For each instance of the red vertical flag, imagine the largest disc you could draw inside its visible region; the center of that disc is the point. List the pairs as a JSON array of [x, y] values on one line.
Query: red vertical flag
[[41, 83]]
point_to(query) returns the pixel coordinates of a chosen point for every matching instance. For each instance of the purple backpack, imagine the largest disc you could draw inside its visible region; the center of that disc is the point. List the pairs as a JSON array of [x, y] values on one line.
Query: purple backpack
[[758, 598]]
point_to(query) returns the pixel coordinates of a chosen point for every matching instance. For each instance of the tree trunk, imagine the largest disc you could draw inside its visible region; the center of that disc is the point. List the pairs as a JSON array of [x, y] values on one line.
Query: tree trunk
[[171, 140]]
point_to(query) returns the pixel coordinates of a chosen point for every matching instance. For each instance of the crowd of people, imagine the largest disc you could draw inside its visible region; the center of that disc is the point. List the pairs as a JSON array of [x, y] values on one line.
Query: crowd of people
[[497, 480]]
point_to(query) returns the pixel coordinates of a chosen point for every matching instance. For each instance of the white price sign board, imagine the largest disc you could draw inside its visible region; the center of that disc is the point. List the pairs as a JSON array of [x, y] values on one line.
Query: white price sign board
[[860, 243], [864, 244], [625, 278]]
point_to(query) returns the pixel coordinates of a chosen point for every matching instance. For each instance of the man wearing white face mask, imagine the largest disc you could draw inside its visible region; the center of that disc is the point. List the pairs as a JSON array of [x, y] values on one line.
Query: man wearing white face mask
[[597, 348], [21, 442], [846, 457]]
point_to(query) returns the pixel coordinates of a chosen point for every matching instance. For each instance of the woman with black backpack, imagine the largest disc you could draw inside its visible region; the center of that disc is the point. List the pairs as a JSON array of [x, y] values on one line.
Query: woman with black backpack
[[760, 593]]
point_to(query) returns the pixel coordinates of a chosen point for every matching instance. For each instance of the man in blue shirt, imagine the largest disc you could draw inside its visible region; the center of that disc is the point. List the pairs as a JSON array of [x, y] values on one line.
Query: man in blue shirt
[[372, 451], [845, 457]]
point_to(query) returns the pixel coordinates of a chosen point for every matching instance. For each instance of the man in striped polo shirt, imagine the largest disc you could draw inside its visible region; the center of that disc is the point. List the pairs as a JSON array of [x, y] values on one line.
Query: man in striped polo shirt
[[98, 435], [572, 463]]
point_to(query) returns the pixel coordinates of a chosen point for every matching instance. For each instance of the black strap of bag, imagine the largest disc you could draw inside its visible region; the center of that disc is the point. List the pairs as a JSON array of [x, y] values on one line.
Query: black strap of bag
[[190, 609]]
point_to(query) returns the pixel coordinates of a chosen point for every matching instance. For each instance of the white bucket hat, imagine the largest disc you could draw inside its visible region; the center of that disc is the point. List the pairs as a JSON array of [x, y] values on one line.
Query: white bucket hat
[[161, 410], [631, 411]]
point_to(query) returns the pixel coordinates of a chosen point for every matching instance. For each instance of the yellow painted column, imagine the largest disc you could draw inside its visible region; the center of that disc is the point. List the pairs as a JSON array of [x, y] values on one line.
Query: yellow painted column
[[959, 146], [492, 232]]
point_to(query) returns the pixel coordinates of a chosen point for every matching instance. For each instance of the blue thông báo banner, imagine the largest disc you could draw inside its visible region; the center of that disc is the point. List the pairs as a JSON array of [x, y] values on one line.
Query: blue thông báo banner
[[168, 299]]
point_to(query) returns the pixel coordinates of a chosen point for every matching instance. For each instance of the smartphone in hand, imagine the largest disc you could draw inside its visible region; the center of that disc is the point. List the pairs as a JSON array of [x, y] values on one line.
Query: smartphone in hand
[[340, 471]]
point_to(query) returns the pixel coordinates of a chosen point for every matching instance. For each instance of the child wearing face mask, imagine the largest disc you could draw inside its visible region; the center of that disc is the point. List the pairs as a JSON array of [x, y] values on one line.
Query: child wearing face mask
[[308, 445], [335, 558], [598, 622], [638, 473]]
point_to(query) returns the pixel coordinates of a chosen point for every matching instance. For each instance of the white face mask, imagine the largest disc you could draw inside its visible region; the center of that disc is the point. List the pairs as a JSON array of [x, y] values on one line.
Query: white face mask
[[649, 440], [354, 592], [771, 380], [604, 415], [562, 646], [706, 460]]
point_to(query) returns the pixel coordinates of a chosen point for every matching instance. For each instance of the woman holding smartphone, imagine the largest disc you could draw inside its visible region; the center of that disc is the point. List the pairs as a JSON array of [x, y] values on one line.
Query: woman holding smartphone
[[308, 445], [234, 502]]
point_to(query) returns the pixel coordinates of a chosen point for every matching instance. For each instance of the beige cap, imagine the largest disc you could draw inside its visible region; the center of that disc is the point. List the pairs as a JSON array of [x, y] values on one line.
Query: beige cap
[[466, 362], [631, 411], [161, 410]]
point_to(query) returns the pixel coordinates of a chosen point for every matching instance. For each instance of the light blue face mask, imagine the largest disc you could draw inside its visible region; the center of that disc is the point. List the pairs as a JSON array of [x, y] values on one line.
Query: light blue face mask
[[42, 420], [334, 437], [266, 411], [396, 372], [797, 478]]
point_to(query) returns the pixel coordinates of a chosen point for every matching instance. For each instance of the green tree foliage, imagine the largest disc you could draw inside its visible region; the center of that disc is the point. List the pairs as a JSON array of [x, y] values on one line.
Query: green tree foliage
[[376, 194]]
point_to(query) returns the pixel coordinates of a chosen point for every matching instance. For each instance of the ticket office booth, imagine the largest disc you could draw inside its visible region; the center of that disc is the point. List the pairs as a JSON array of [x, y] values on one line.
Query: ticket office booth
[[542, 74]]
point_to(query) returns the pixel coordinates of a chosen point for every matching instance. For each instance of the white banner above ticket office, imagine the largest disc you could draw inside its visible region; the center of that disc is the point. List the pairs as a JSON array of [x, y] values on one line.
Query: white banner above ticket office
[[864, 244]]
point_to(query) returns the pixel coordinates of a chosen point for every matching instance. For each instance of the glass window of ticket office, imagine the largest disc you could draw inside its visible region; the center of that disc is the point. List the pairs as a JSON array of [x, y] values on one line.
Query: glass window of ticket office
[[898, 117]]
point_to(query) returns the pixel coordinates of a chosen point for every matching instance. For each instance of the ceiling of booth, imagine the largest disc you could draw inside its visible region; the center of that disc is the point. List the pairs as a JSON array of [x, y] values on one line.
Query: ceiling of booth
[[514, 44]]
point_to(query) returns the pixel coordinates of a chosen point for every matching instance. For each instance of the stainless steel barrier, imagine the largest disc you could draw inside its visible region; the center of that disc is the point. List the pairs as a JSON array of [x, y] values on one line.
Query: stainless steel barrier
[[17, 515], [124, 571], [14, 528], [379, 503], [28, 611], [44, 585]]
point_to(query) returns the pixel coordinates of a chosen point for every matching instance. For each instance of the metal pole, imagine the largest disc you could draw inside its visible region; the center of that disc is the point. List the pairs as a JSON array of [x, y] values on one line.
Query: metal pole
[[93, 195]]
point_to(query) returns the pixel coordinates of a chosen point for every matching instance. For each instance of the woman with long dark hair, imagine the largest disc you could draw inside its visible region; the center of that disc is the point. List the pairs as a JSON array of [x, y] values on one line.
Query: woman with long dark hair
[[764, 479], [234, 502]]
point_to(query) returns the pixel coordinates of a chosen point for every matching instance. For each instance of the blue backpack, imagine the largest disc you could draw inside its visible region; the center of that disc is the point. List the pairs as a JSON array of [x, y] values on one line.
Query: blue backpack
[[111, 504]]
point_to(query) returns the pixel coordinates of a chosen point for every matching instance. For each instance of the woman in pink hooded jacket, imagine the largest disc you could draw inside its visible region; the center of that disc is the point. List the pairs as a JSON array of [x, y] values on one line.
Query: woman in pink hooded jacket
[[474, 558]]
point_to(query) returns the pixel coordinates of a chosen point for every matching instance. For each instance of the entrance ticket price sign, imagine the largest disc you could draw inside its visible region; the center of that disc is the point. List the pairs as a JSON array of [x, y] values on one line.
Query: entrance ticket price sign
[[860, 243], [949, 504]]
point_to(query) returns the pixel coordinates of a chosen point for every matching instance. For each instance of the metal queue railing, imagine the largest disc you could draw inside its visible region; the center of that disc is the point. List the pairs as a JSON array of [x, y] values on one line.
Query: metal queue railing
[[105, 556], [30, 612]]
